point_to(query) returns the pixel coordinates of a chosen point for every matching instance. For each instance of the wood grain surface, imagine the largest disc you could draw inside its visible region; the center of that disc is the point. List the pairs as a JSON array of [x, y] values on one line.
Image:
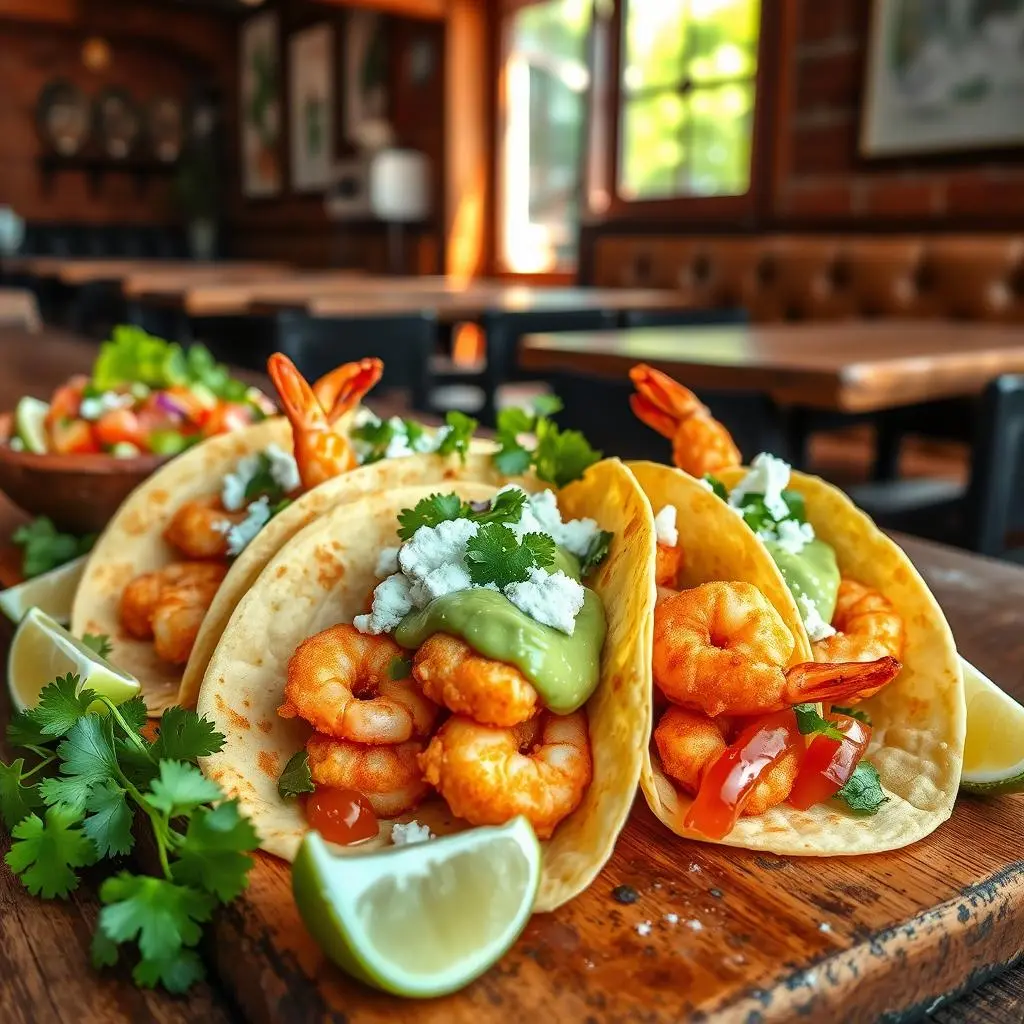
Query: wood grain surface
[[850, 367], [906, 933]]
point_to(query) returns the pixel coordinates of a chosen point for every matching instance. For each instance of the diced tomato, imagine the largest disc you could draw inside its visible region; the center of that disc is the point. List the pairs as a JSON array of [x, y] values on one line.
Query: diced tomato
[[117, 426], [829, 763], [66, 400], [226, 417], [75, 437], [728, 783]]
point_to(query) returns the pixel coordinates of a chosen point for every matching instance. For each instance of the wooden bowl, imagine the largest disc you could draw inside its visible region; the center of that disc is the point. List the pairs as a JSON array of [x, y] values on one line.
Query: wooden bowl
[[80, 493]]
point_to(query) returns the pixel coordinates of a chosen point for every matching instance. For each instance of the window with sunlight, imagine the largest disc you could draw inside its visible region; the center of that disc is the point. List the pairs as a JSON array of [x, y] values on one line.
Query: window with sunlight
[[687, 111], [544, 114]]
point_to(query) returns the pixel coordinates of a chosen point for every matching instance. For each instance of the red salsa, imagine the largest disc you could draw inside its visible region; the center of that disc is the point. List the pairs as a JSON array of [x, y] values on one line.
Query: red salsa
[[341, 816]]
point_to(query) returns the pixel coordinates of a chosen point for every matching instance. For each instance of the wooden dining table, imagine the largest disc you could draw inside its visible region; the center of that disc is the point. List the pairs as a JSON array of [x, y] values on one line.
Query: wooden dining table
[[77, 271], [856, 366], [46, 976]]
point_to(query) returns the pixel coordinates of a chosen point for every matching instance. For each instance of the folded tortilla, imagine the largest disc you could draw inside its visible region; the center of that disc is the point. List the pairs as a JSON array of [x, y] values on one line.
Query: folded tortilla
[[919, 720], [325, 574]]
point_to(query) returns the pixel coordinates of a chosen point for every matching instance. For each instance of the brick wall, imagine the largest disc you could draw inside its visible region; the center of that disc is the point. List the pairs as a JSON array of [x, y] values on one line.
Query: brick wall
[[820, 175]]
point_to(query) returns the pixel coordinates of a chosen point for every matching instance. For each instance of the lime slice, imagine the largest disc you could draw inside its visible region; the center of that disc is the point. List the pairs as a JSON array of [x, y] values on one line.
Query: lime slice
[[424, 919], [52, 593], [994, 752], [28, 424], [43, 649]]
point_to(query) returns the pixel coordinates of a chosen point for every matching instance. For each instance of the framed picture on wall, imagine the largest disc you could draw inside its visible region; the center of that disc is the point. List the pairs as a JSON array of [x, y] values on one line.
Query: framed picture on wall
[[943, 77], [260, 114], [366, 80], [311, 107]]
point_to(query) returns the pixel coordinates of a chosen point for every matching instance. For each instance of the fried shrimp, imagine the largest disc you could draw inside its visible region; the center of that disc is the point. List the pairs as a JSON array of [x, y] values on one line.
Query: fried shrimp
[[668, 565], [141, 599], [700, 444], [199, 528], [689, 743], [341, 682], [867, 627], [490, 692], [539, 769], [722, 648], [388, 776], [177, 617]]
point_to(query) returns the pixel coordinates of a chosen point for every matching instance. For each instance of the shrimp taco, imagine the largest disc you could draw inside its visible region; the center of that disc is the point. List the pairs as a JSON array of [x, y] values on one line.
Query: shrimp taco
[[444, 660], [190, 539], [809, 695]]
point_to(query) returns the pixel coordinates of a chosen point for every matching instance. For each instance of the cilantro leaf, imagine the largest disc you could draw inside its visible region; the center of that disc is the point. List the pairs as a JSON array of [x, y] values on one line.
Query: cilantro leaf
[[296, 777], [161, 915], [45, 854], [24, 731], [429, 511], [755, 513], [547, 405], [87, 759], [109, 826], [859, 713], [512, 420], [596, 553], [44, 547], [414, 433], [496, 555], [17, 801], [795, 503], [176, 973], [809, 723], [507, 507], [184, 736], [717, 487], [102, 951], [561, 456], [513, 459], [60, 706], [400, 668], [180, 788], [376, 435], [98, 643], [863, 792], [460, 431], [135, 713], [262, 482], [213, 855]]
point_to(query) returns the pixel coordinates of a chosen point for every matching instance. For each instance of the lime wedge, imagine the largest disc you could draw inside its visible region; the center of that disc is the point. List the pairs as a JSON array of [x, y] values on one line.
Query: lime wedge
[[52, 593], [424, 919], [29, 415], [994, 752], [43, 649]]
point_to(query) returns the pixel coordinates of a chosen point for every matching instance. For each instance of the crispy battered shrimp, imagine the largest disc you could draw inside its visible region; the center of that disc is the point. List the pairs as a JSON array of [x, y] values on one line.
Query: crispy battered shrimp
[[490, 692], [199, 528], [341, 682], [388, 776], [722, 648], [322, 447], [540, 769], [177, 617], [141, 598], [867, 625], [700, 444], [689, 742], [668, 565]]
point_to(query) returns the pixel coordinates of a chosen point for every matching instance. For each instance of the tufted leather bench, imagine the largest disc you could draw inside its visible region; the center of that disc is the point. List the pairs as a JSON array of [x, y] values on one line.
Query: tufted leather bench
[[818, 277]]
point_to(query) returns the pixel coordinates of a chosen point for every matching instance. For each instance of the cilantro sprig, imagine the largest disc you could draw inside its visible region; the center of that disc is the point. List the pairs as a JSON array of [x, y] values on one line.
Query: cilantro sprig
[[863, 792], [507, 507], [496, 555], [44, 547], [296, 777], [810, 723], [376, 436], [558, 456], [757, 516], [94, 775]]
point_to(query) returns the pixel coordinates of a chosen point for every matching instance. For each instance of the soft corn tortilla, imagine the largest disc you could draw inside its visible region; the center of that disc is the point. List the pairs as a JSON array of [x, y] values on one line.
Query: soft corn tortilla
[[324, 576], [919, 719]]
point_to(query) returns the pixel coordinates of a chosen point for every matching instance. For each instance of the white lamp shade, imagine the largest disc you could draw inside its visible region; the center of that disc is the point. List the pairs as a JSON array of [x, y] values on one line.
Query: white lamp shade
[[400, 185]]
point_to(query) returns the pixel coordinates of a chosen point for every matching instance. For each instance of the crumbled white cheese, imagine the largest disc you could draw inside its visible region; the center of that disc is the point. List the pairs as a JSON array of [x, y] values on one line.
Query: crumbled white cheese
[[431, 442], [399, 443], [767, 476], [706, 484], [665, 526], [240, 534], [92, 408], [445, 579], [364, 416], [387, 563], [817, 628], [391, 604], [232, 488], [541, 515], [284, 470], [430, 547], [643, 929], [405, 834], [553, 599], [790, 535]]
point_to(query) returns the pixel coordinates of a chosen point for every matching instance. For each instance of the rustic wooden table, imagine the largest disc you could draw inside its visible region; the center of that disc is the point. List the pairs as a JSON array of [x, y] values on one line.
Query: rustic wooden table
[[76, 270], [849, 366], [44, 961]]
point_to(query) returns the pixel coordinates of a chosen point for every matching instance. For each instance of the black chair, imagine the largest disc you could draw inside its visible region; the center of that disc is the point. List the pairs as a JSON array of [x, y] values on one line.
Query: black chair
[[982, 515]]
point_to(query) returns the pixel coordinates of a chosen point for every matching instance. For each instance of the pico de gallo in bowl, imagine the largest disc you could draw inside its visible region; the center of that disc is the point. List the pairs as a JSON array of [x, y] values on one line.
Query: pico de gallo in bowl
[[145, 396]]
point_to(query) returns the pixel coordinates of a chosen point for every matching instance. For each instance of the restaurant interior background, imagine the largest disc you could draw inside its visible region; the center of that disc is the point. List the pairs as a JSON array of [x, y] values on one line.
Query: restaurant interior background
[[761, 165]]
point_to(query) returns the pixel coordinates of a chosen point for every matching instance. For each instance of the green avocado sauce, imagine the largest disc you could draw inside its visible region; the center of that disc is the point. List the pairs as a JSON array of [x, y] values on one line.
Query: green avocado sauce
[[564, 669], [812, 573]]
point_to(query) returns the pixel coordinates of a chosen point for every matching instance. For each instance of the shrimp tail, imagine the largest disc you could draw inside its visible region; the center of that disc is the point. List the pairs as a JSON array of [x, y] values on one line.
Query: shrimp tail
[[666, 395], [298, 400], [818, 681], [650, 414], [341, 390]]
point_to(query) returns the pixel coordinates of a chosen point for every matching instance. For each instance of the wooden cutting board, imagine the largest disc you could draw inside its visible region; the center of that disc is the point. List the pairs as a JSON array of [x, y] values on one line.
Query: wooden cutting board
[[733, 935]]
